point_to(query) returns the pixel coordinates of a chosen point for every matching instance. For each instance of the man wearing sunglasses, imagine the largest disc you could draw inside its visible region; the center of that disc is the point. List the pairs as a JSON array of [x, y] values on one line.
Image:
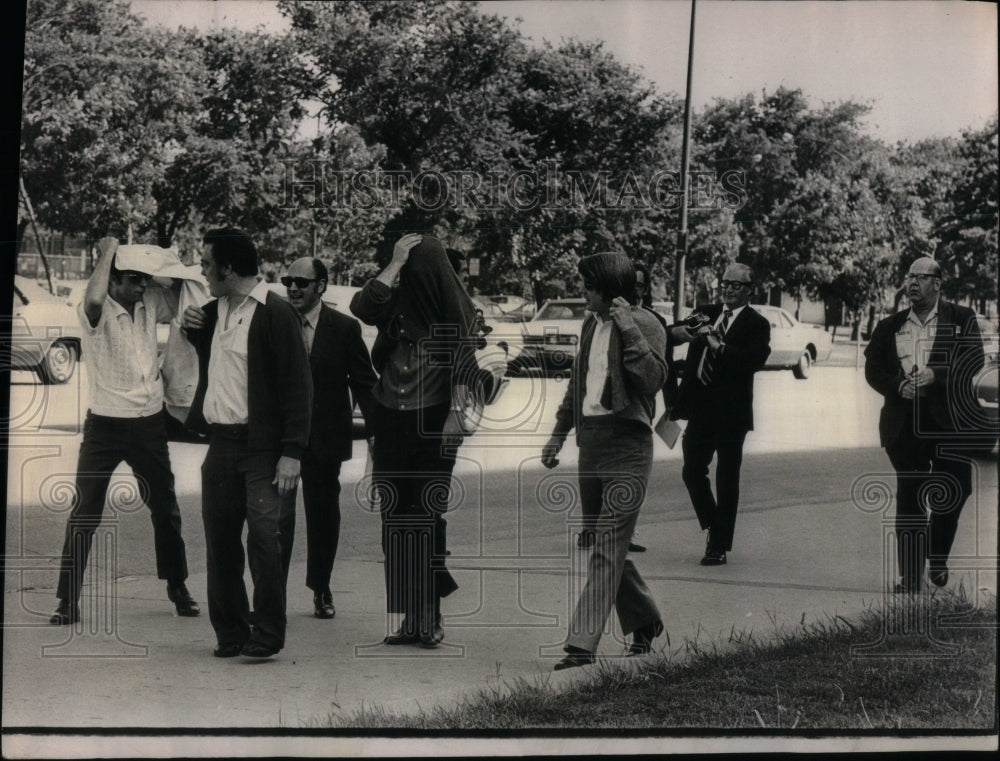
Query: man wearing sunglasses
[[922, 361], [125, 422], [716, 398], [341, 368]]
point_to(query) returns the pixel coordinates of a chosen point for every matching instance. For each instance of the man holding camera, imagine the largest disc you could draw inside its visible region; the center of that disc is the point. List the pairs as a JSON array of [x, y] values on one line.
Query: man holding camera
[[729, 343]]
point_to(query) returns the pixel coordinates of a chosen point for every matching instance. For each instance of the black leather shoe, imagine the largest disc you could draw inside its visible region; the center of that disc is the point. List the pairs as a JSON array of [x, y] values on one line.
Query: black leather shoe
[[65, 614], [178, 594], [432, 637], [633, 547], [714, 557], [405, 635], [323, 604], [575, 658], [938, 574], [642, 638], [227, 650], [258, 650]]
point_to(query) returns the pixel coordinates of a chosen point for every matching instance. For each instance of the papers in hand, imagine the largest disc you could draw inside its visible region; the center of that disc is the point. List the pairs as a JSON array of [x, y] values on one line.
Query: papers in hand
[[668, 430]]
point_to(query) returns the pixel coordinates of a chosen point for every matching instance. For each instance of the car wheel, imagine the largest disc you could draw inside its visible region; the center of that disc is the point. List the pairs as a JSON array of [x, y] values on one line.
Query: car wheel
[[803, 367], [58, 364]]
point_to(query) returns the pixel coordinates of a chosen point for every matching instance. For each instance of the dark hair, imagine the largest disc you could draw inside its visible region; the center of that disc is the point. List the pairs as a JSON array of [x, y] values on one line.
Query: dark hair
[[456, 257], [233, 248], [647, 294], [319, 270], [612, 274]]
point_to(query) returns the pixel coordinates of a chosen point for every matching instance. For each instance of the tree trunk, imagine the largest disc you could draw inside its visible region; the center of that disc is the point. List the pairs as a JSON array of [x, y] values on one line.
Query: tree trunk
[[34, 228]]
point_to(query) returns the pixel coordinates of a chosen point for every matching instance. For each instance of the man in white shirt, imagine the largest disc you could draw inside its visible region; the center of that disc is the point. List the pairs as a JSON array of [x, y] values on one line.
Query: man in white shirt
[[125, 422]]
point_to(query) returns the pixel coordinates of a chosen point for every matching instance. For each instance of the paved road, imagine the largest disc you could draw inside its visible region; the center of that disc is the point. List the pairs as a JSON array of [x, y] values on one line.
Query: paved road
[[809, 545]]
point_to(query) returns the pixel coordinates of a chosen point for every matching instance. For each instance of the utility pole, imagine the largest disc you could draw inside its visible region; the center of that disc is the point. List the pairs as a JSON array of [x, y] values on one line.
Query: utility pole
[[685, 161]]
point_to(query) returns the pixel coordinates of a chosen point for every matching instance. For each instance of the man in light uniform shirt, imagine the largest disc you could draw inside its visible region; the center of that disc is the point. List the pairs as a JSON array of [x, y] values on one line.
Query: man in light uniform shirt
[[125, 422]]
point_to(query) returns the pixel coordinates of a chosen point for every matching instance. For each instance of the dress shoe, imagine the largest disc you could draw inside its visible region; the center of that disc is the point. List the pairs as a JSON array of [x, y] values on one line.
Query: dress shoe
[[938, 574], [227, 650], [905, 588], [323, 604], [714, 557], [405, 635], [585, 540], [178, 594], [433, 636], [642, 638], [65, 614], [258, 650], [633, 547], [575, 657]]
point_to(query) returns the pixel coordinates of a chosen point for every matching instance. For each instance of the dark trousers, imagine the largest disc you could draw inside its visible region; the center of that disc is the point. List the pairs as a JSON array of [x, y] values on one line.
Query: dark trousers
[[411, 478], [615, 460], [237, 489], [321, 497], [931, 489], [717, 513], [107, 442]]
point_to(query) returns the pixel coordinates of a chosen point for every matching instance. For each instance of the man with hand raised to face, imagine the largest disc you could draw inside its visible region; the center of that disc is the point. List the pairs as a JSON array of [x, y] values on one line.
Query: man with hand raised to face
[[341, 368], [254, 400], [716, 398]]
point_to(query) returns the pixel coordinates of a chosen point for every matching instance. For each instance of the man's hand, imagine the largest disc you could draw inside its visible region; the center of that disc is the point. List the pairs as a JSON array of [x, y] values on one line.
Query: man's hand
[[621, 313], [550, 452], [712, 339], [924, 377], [286, 476], [908, 390], [107, 246], [193, 318], [401, 251]]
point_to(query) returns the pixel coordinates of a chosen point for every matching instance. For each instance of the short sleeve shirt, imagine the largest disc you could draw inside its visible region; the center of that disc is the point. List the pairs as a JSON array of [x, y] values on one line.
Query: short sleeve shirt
[[121, 355]]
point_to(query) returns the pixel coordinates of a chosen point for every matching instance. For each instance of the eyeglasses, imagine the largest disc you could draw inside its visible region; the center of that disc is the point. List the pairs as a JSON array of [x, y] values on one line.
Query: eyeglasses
[[734, 284], [919, 277], [137, 278], [300, 282]]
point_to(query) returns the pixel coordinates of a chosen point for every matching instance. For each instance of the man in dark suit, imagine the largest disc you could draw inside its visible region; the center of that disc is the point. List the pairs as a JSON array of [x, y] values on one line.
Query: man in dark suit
[[922, 360], [341, 367], [716, 398]]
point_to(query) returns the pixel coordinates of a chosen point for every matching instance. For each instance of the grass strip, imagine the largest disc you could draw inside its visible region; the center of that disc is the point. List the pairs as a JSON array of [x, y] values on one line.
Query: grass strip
[[909, 663]]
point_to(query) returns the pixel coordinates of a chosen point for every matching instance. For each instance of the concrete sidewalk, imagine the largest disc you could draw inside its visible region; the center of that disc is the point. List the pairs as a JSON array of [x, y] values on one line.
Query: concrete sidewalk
[[134, 663]]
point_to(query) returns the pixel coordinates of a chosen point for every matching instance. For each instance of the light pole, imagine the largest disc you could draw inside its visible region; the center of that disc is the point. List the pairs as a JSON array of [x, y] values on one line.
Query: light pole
[[685, 158]]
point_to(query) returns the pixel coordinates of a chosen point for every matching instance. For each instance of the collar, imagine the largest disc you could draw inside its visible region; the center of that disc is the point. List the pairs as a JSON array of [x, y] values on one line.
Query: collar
[[312, 316], [117, 310], [735, 311], [931, 315]]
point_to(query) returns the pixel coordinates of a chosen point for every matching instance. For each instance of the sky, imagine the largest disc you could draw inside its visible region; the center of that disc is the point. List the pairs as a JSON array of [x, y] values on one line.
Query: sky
[[927, 68]]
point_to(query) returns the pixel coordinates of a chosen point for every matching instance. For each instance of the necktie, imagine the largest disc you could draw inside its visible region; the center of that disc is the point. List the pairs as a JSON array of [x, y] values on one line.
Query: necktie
[[307, 335], [708, 365]]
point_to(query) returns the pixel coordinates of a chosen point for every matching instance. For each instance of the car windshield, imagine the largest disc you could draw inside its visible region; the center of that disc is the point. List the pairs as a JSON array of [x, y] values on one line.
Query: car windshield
[[562, 311]]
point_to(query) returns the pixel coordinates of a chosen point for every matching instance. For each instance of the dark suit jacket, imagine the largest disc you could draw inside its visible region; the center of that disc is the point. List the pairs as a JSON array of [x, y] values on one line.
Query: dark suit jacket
[[728, 403], [279, 386], [340, 364], [955, 357]]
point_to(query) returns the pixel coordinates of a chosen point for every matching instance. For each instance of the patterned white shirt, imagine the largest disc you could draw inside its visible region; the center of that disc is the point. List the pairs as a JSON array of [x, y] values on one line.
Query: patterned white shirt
[[120, 352]]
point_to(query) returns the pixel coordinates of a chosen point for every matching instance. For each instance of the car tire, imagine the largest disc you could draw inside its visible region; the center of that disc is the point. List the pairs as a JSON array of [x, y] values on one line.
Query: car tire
[[804, 366], [58, 364]]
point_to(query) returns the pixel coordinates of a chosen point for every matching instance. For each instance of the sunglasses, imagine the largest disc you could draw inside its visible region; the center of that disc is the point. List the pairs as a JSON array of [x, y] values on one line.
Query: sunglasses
[[300, 282], [137, 278], [734, 283]]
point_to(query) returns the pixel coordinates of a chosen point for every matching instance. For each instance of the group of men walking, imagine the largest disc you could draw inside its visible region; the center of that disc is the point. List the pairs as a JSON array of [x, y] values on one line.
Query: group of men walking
[[277, 379]]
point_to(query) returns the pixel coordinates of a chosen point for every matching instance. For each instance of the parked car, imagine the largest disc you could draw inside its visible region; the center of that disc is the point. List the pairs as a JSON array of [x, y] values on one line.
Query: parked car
[[505, 301], [793, 344], [551, 337], [45, 333], [522, 313]]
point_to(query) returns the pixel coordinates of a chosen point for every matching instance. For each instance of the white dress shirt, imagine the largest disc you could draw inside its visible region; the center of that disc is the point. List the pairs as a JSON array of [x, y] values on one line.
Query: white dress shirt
[[597, 369], [226, 397]]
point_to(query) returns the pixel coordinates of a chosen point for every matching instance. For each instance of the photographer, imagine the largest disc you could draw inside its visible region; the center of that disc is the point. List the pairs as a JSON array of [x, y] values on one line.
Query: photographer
[[729, 343]]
